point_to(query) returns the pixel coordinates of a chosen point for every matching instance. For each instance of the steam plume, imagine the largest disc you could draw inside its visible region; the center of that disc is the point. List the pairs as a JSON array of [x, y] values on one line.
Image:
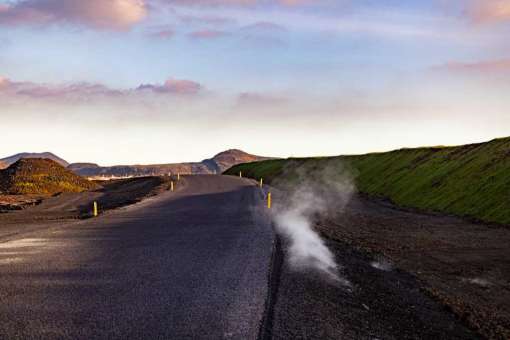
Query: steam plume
[[311, 192]]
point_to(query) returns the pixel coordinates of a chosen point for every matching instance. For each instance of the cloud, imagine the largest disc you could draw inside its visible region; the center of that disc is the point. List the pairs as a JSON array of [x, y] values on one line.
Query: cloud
[[207, 34], [84, 90], [479, 67], [260, 99], [205, 19], [162, 34], [486, 11], [264, 27], [238, 3], [35, 90], [173, 86], [100, 14]]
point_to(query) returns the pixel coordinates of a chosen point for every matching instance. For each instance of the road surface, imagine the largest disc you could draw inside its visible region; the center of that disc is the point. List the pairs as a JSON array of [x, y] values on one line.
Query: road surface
[[190, 264]]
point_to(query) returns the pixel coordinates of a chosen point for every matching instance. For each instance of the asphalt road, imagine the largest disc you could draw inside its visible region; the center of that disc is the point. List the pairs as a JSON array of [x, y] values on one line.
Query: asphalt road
[[190, 264]]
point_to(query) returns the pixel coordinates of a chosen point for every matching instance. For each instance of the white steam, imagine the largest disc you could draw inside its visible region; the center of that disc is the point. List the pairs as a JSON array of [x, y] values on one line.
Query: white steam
[[382, 264], [312, 194]]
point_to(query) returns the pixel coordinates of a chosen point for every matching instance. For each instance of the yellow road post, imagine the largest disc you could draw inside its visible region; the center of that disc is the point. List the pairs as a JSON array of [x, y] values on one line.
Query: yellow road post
[[172, 185], [95, 209], [269, 200], [261, 183]]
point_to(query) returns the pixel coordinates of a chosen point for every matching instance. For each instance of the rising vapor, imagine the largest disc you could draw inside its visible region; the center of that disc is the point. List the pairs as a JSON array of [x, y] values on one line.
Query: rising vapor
[[312, 193]]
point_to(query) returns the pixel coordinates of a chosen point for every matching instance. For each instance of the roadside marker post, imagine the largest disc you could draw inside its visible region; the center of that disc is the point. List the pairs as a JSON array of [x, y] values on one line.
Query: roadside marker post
[[178, 176], [261, 183], [95, 209], [269, 200], [240, 174], [172, 185]]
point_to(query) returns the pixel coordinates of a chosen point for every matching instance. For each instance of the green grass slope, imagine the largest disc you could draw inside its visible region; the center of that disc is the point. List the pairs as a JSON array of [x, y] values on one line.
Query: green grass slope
[[40, 177], [469, 180]]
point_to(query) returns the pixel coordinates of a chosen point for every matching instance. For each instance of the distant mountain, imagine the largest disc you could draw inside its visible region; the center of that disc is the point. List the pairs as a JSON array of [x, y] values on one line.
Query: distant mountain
[[226, 159], [215, 165], [40, 177], [45, 155], [80, 166]]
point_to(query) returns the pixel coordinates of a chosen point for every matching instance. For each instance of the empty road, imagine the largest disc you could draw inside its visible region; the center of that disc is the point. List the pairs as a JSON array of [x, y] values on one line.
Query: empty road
[[187, 264]]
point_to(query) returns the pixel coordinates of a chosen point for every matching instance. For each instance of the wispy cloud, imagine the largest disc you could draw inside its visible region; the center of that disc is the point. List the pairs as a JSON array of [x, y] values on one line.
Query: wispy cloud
[[487, 11], [162, 34], [478, 67], [288, 3], [264, 27], [84, 90], [207, 34], [114, 14], [260, 99], [173, 86]]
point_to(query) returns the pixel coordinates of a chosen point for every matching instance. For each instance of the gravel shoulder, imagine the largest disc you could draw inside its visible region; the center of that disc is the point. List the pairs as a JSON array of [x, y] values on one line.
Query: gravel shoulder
[[463, 265], [379, 304], [66, 207]]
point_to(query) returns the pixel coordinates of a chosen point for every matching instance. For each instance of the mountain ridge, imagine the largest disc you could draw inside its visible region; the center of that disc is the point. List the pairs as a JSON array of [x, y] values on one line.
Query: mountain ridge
[[215, 165]]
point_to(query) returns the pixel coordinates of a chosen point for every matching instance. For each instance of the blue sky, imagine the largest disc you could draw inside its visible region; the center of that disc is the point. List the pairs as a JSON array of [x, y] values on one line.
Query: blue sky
[[273, 77]]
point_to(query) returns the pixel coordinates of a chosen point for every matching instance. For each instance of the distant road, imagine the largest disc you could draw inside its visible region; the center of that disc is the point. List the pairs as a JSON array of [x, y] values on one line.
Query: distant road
[[189, 264]]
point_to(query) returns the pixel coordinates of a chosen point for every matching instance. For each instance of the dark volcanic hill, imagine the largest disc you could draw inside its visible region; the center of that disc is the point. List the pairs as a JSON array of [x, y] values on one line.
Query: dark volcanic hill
[[215, 165], [40, 177], [46, 155]]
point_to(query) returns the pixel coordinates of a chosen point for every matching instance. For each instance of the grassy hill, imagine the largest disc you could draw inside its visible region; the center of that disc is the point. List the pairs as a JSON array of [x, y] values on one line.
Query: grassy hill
[[40, 177], [469, 180]]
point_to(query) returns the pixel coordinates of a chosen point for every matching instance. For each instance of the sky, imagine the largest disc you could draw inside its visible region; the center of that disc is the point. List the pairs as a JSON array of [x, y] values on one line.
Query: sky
[[160, 81]]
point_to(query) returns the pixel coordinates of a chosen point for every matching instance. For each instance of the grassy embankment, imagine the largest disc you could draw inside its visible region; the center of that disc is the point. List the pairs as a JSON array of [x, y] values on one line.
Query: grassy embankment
[[469, 180]]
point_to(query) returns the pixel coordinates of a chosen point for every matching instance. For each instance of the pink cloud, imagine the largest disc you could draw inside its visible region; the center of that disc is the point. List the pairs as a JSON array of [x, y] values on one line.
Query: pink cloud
[[175, 86], [208, 20], [287, 3], [481, 67], [35, 90], [84, 90], [485, 11], [296, 2], [264, 27], [163, 34], [211, 2], [113, 14], [207, 34]]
